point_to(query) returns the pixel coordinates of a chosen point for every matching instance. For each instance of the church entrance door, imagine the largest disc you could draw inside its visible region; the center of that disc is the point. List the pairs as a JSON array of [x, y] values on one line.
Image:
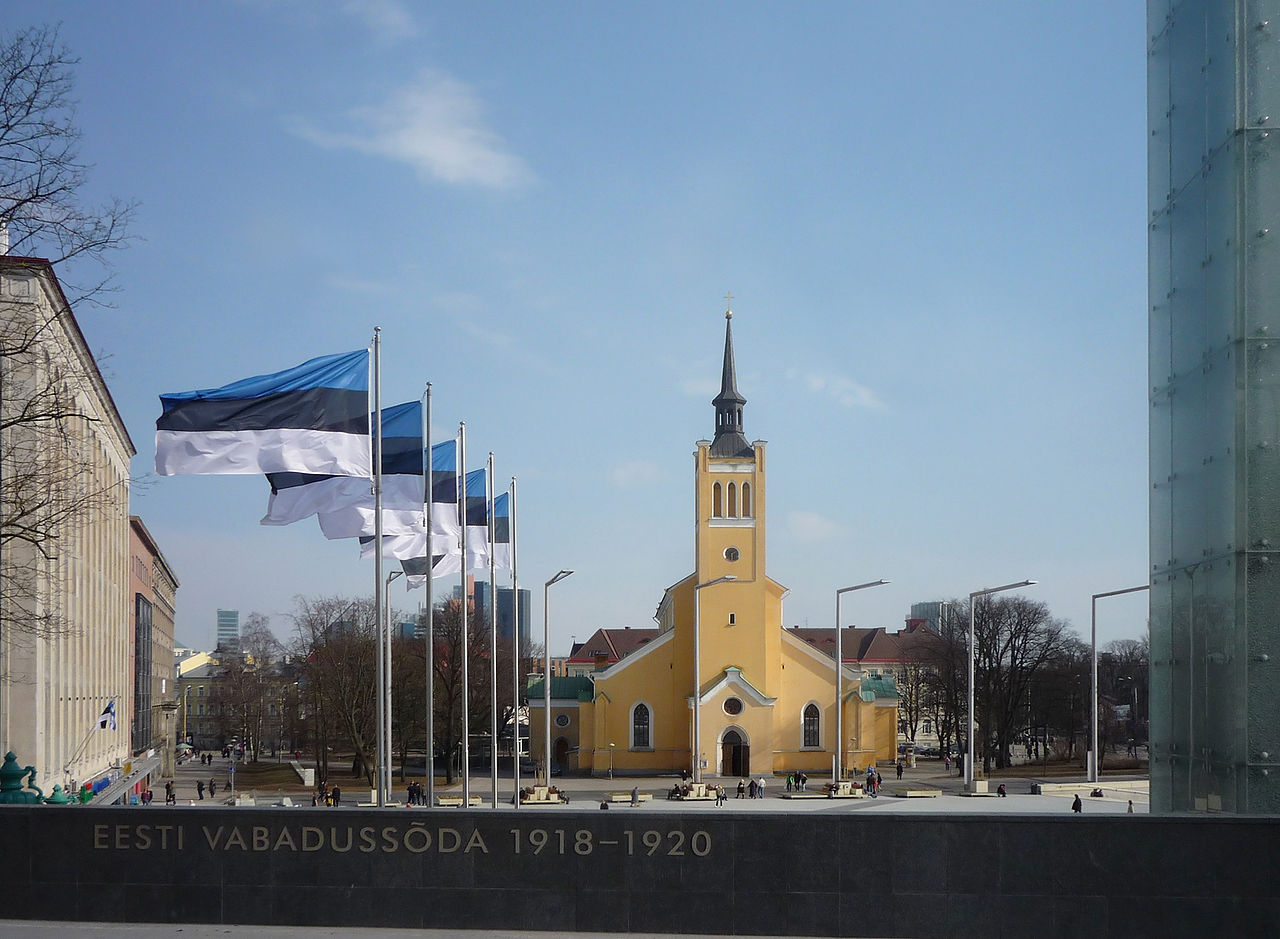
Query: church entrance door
[[735, 756]]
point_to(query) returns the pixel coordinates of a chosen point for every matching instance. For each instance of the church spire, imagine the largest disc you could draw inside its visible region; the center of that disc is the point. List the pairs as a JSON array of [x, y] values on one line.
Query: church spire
[[729, 440]]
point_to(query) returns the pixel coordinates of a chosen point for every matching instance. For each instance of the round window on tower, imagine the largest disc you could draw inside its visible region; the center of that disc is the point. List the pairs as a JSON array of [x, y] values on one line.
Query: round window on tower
[[731, 554], [733, 706], [562, 720]]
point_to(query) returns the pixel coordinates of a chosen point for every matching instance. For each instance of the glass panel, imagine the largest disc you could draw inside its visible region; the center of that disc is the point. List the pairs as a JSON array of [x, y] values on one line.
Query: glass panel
[[1160, 283], [1187, 303], [1186, 93], [1262, 61], [1220, 74], [1158, 182]]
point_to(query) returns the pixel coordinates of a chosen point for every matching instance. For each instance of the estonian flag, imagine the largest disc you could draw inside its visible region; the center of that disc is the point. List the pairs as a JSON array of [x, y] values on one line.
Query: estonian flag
[[502, 532], [295, 496], [107, 719], [313, 418], [402, 515], [477, 509], [415, 569]]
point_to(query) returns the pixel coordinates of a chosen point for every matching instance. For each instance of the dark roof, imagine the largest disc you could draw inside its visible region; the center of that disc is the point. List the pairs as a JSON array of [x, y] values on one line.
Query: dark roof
[[613, 643], [867, 644]]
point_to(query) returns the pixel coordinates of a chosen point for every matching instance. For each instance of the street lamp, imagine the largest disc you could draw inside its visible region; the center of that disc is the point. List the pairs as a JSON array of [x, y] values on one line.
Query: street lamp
[[384, 697], [697, 674], [838, 761], [186, 706], [611, 761], [969, 756], [1093, 733], [546, 665]]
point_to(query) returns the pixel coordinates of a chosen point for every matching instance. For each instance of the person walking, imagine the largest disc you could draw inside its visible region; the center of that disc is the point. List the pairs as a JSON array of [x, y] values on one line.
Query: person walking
[[1130, 807], [742, 788], [899, 769], [200, 790], [1075, 804], [635, 796], [761, 789], [337, 795], [213, 787]]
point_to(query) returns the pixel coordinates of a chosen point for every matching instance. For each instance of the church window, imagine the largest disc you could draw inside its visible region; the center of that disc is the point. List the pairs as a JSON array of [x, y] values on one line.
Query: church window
[[733, 501], [733, 619], [640, 726], [731, 554], [562, 720], [717, 506], [733, 706], [746, 500], [811, 726]]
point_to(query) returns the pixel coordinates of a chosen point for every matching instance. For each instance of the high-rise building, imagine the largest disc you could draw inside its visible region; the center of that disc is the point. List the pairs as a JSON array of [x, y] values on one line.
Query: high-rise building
[[229, 630], [1214, 384], [506, 610]]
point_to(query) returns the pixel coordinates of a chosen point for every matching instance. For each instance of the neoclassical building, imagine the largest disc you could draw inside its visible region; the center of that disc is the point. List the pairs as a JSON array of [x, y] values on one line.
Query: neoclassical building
[[67, 644], [719, 677]]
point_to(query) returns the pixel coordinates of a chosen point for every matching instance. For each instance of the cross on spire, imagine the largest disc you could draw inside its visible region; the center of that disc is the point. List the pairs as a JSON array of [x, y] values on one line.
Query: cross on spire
[[728, 306]]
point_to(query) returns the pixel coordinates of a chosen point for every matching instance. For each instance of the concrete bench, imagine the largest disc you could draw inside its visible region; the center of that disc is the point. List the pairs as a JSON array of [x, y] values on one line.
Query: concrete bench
[[541, 795], [917, 793], [455, 801], [626, 797], [699, 792]]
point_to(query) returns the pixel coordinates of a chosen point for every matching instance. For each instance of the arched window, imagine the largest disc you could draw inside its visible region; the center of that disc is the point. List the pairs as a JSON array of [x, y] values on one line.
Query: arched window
[[811, 737], [717, 503], [733, 501], [746, 500], [640, 726]]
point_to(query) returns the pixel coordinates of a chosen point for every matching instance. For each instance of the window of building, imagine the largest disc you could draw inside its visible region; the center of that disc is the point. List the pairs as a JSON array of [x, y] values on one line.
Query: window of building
[[811, 729], [733, 619], [640, 727], [746, 500], [733, 501], [732, 554], [926, 727], [733, 706], [562, 720], [717, 504], [200, 691]]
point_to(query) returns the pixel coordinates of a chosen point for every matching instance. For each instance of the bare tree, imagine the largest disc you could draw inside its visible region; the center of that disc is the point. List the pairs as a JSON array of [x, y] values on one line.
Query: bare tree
[[41, 170], [51, 490]]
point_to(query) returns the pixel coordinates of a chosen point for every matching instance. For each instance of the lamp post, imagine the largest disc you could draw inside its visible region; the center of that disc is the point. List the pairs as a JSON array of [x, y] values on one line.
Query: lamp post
[[611, 761], [186, 706], [546, 665], [697, 674], [838, 763], [969, 756], [1093, 657], [384, 690]]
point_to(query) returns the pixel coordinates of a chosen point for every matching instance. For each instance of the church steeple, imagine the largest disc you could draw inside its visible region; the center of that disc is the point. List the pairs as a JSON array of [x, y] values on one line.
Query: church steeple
[[729, 440]]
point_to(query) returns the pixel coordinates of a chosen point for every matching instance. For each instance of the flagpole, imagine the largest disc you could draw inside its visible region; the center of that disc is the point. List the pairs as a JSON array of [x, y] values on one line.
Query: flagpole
[[466, 644], [431, 641], [493, 639], [515, 656], [377, 555]]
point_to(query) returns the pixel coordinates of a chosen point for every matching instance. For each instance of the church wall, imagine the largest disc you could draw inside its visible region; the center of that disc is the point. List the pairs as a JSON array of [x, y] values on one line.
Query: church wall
[[656, 680], [805, 678]]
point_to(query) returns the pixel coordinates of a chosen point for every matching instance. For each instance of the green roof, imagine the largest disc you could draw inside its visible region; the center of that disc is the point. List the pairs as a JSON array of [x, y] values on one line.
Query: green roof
[[578, 687], [878, 686]]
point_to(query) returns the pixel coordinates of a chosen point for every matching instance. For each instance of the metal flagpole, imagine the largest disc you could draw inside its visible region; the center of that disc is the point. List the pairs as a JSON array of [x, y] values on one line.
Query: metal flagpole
[[493, 638], [466, 644], [515, 657], [431, 640], [377, 555]]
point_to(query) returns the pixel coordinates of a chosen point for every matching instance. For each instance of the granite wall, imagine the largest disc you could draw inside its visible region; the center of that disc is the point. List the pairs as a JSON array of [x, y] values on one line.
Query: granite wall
[[716, 871]]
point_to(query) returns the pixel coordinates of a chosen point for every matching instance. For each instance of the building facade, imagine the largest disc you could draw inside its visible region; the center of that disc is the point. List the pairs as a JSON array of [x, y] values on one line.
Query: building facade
[[1214, 385], [65, 607], [154, 588], [723, 689], [506, 610]]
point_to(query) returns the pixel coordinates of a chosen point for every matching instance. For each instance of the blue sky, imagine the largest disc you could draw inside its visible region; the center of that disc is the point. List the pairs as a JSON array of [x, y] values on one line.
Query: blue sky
[[931, 216]]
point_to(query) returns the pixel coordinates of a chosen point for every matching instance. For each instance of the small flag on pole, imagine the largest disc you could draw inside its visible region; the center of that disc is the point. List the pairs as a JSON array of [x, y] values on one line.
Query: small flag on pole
[[313, 418], [502, 532], [107, 719]]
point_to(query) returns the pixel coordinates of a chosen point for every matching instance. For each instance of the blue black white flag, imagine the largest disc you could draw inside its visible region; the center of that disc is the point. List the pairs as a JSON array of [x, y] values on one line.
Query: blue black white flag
[[295, 496], [477, 521], [107, 719], [313, 418], [502, 532]]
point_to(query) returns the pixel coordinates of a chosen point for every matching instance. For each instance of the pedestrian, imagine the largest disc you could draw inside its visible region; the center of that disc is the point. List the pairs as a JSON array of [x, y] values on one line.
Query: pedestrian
[[804, 781], [1075, 805], [879, 782], [213, 787], [762, 787], [899, 769], [721, 795], [200, 790], [1130, 806], [742, 787], [789, 781], [635, 796], [168, 793], [604, 803], [1002, 792], [947, 763], [337, 795]]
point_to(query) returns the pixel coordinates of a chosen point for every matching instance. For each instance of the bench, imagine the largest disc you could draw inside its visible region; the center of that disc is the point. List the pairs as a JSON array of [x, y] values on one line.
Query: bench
[[699, 792], [455, 801], [626, 797], [919, 792], [543, 795]]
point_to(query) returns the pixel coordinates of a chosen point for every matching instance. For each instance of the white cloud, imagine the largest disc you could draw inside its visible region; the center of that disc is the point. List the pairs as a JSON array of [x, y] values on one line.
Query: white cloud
[[810, 526], [436, 126], [387, 19], [635, 473], [701, 387], [844, 391]]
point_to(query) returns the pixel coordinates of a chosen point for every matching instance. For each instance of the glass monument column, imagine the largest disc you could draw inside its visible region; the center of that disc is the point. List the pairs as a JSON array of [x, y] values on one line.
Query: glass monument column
[[1214, 384]]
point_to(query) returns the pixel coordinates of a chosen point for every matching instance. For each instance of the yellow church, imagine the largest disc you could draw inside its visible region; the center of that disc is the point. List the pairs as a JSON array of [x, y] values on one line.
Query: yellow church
[[719, 688]]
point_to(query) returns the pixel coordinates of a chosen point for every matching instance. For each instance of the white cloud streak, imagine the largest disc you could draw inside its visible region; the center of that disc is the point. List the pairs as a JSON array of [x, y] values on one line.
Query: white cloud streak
[[386, 19], [810, 526], [635, 473], [844, 391], [434, 125]]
